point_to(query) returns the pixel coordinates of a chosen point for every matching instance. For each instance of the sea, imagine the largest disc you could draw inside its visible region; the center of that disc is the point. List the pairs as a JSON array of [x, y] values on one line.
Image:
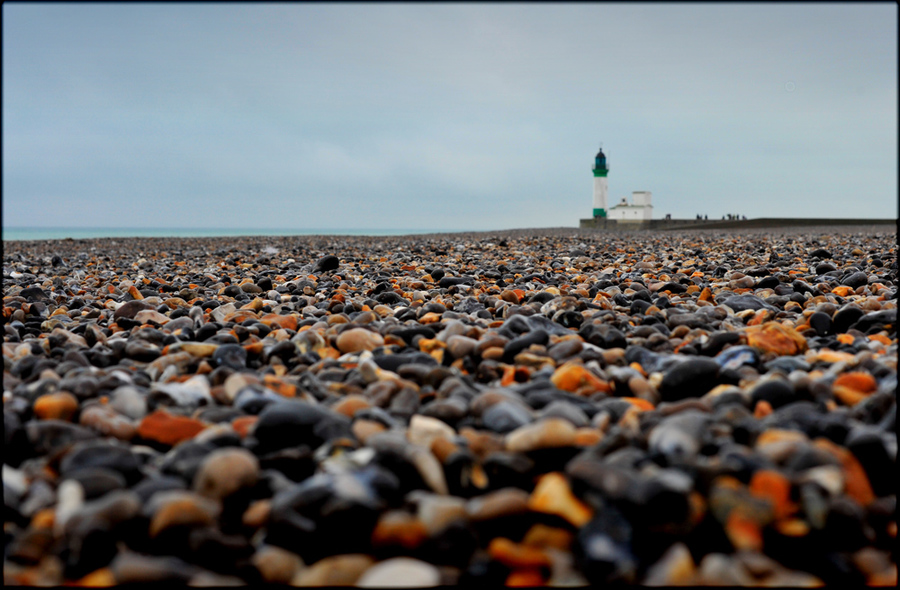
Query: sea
[[76, 233]]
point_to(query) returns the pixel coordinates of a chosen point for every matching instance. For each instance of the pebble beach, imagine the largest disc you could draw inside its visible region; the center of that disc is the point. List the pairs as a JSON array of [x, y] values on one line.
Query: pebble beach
[[527, 407]]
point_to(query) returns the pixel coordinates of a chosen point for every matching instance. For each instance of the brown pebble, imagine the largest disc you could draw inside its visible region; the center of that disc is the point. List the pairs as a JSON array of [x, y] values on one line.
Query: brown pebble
[[225, 471], [337, 570], [276, 565], [358, 339]]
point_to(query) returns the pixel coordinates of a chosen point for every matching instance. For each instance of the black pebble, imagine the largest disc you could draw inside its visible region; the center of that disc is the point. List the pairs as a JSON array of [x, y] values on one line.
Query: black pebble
[[845, 318], [327, 263], [821, 323], [691, 378], [778, 393], [232, 356], [857, 279]]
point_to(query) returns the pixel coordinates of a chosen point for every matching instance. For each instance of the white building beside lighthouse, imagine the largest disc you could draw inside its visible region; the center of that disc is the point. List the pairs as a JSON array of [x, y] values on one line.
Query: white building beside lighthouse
[[640, 208]]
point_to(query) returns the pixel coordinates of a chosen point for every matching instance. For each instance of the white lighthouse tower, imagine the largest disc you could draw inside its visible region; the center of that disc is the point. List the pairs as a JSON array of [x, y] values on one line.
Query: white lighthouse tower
[[600, 188]]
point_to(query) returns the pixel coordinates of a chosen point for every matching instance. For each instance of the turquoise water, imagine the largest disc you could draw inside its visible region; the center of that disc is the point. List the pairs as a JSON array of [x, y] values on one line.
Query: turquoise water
[[61, 233]]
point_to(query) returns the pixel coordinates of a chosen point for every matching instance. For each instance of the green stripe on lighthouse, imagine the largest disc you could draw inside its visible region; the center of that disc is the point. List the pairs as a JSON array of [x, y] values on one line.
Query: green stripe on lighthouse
[[599, 212]]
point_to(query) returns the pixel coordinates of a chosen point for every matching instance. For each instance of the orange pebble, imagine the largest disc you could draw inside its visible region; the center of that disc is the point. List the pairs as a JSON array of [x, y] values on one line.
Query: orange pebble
[[585, 436], [515, 555], [44, 519], [61, 405], [777, 338], [98, 579], [169, 429], [574, 378], [763, 409], [242, 424], [775, 487], [842, 291], [395, 529], [553, 495], [792, 527], [509, 376], [880, 338], [845, 338], [288, 322], [351, 404], [639, 403], [856, 484], [637, 367], [857, 380], [706, 295], [759, 317], [525, 578], [541, 535], [743, 533]]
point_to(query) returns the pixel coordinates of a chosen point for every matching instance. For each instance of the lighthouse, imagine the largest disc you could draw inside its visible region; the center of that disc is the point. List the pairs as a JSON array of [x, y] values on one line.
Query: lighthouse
[[600, 188]]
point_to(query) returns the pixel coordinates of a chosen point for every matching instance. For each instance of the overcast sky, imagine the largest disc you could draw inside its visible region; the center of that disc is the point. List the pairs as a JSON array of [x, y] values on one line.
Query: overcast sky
[[440, 116]]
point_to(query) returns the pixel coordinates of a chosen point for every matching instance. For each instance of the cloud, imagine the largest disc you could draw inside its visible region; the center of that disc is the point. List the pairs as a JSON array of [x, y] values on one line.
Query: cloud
[[442, 115]]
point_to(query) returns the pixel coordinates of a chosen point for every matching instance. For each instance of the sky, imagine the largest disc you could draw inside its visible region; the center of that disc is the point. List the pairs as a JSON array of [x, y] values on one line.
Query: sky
[[443, 116]]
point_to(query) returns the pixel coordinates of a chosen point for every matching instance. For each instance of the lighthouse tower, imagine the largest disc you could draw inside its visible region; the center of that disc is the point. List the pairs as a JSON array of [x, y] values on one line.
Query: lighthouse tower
[[600, 187]]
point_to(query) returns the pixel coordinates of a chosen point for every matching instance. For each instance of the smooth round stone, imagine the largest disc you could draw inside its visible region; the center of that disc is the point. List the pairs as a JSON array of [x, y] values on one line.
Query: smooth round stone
[[675, 568], [97, 481], [102, 455], [435, 512], [505, 416], [169, 429], [232, 356], [736, 357], [605, 544], [56, 406], [450, 410], [545, 433], [857, 279], [130, 308], [151, 485], [745, 302], [180, 508], [423, 430], [107, 511], [358, 339], [400, 572], [327, 263], [141, 350], [461, 346], [128, 401], [69, 501], [49, 436], [276, 565], [497, 504], [821, 323], [226, 471], [566, 410], [679, 436], [133, 568], [775, 391], [192, 393], [845, 318], [293, 423], [690, 378], [337, 570], [825, 267], [106, 421]]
